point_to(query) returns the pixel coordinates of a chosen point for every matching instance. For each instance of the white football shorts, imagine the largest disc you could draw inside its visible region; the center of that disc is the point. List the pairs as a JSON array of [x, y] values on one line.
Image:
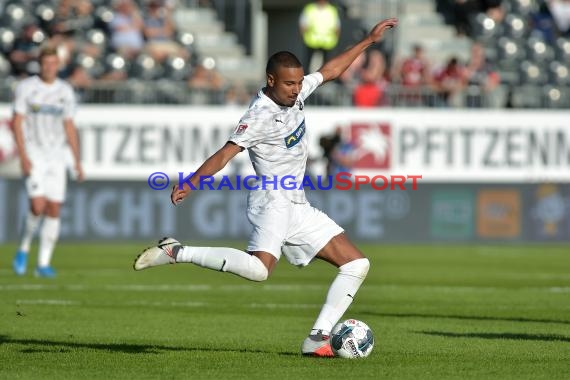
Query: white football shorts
[[47, 179], [297, 230]]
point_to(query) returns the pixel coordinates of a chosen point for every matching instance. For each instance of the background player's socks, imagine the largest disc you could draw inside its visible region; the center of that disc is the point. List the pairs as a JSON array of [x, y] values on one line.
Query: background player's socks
[[225, 260], [30, 226], [48, 237], [341, 293]]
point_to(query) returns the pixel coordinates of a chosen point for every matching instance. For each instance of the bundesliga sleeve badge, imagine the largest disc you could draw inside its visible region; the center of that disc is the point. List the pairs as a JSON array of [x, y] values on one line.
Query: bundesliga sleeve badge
[[240, 130]]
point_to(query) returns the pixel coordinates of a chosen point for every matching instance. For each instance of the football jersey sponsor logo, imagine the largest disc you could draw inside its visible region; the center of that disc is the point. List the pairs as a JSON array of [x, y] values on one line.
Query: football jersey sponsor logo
[[372, 142], [294, 138], [240, 130], [47, 109]]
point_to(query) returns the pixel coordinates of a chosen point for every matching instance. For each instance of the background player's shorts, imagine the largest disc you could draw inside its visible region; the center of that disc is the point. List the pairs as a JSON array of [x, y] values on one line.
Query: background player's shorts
[[297, 230], [47, 179]]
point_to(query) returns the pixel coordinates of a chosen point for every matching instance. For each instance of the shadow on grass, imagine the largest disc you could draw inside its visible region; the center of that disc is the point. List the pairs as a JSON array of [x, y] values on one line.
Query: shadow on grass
[[510, 336], [466, 317], [44, 345]]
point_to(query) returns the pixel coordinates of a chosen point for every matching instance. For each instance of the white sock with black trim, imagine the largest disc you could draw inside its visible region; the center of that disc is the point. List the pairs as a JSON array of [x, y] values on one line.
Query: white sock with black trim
[[224, 260], [340, 294]]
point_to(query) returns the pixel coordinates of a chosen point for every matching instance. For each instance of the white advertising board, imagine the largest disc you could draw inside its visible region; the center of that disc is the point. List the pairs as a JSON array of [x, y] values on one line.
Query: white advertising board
[[132, 142]]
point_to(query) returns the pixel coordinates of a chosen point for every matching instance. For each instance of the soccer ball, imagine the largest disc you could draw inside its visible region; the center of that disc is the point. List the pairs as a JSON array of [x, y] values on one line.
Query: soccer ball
[[352, 339]]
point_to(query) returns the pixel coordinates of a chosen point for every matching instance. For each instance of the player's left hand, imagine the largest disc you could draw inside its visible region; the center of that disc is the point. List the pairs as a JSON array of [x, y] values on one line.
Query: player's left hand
[[379, 29], [79, 173]]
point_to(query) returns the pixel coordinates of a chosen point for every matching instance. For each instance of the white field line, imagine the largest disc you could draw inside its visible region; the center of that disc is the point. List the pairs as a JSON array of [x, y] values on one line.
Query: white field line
[[271, 288], [48, 302]]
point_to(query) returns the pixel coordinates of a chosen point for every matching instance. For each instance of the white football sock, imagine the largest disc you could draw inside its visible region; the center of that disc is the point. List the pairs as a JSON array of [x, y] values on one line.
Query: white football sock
[[48, 237], [224, 260], [341, 293], [30, 227]]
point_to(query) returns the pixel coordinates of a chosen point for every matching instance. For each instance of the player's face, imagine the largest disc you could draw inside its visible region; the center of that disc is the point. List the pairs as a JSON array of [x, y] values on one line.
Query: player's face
[[285, 85], [49, 68]]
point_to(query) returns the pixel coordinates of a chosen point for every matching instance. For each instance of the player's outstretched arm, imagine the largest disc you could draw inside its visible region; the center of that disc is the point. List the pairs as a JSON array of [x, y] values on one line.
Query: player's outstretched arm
[[211, 166], [333, 68]]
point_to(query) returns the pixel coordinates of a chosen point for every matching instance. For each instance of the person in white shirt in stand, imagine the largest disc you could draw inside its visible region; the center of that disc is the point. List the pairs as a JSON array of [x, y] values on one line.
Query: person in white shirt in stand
[[44, 107], [273, 130]]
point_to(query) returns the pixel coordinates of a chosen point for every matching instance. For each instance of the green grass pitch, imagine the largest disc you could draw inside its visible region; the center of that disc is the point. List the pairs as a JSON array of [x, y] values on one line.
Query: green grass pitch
[[437, 312]]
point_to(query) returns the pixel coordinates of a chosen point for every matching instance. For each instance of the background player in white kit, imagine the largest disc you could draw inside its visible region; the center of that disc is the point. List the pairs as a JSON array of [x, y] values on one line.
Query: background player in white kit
[[44, 107], [283, 221]]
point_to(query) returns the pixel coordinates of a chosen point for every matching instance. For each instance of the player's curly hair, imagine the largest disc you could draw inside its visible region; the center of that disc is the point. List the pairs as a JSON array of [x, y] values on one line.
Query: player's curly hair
[[282, 59]]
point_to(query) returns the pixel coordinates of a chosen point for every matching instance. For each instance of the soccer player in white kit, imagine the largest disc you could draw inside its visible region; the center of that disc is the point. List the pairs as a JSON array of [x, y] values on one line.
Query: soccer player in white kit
[[44, 107], [272, 131]]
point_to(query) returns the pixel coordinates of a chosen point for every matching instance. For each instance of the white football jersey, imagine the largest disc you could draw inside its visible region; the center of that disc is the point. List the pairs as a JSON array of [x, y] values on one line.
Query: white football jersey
[[45, 107], [275, 138]]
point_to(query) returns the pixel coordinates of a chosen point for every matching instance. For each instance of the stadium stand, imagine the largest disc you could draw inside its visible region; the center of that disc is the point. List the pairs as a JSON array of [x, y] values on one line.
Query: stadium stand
[[199, 51]]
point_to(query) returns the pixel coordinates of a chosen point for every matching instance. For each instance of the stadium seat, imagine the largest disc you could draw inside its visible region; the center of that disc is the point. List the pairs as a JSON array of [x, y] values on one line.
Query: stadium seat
[[555, 97], [92, 65], [538, 50], [527, 96], [7, 37], [96, 37], [145, 67], [523, 7], [532, 73], [45, 12], [559, 73], [5, 67], [509, 54], [485, 28], [114, 62], [515, 26], [563, 49], [176, 68]]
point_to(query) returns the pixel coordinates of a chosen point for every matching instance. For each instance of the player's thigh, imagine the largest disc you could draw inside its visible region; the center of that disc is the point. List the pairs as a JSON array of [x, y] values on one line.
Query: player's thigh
[[56, 183], [35, 182], [270, 225], [311, 230]]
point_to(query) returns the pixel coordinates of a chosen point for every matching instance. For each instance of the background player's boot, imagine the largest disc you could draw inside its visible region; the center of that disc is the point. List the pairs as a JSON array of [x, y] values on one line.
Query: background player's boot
[[20, 263], [46, 272], [317, 345], [164, 253]]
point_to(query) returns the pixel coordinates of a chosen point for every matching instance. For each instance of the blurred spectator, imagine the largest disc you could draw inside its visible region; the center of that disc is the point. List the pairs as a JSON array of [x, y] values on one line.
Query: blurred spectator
[[236, 95], [337, 152], [127, 29], [413, 73], [73, 18], [463, 13], [203, 78], [319, 24], [371, 91], [351, 77], [560, 10], [543, 23], [449, 82], [493, 9], [159, 31], [25, 52], [480, 73]]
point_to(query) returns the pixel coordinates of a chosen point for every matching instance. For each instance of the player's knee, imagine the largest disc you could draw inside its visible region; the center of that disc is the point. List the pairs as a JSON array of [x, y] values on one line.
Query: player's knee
[[357, 268], [257, 270]]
